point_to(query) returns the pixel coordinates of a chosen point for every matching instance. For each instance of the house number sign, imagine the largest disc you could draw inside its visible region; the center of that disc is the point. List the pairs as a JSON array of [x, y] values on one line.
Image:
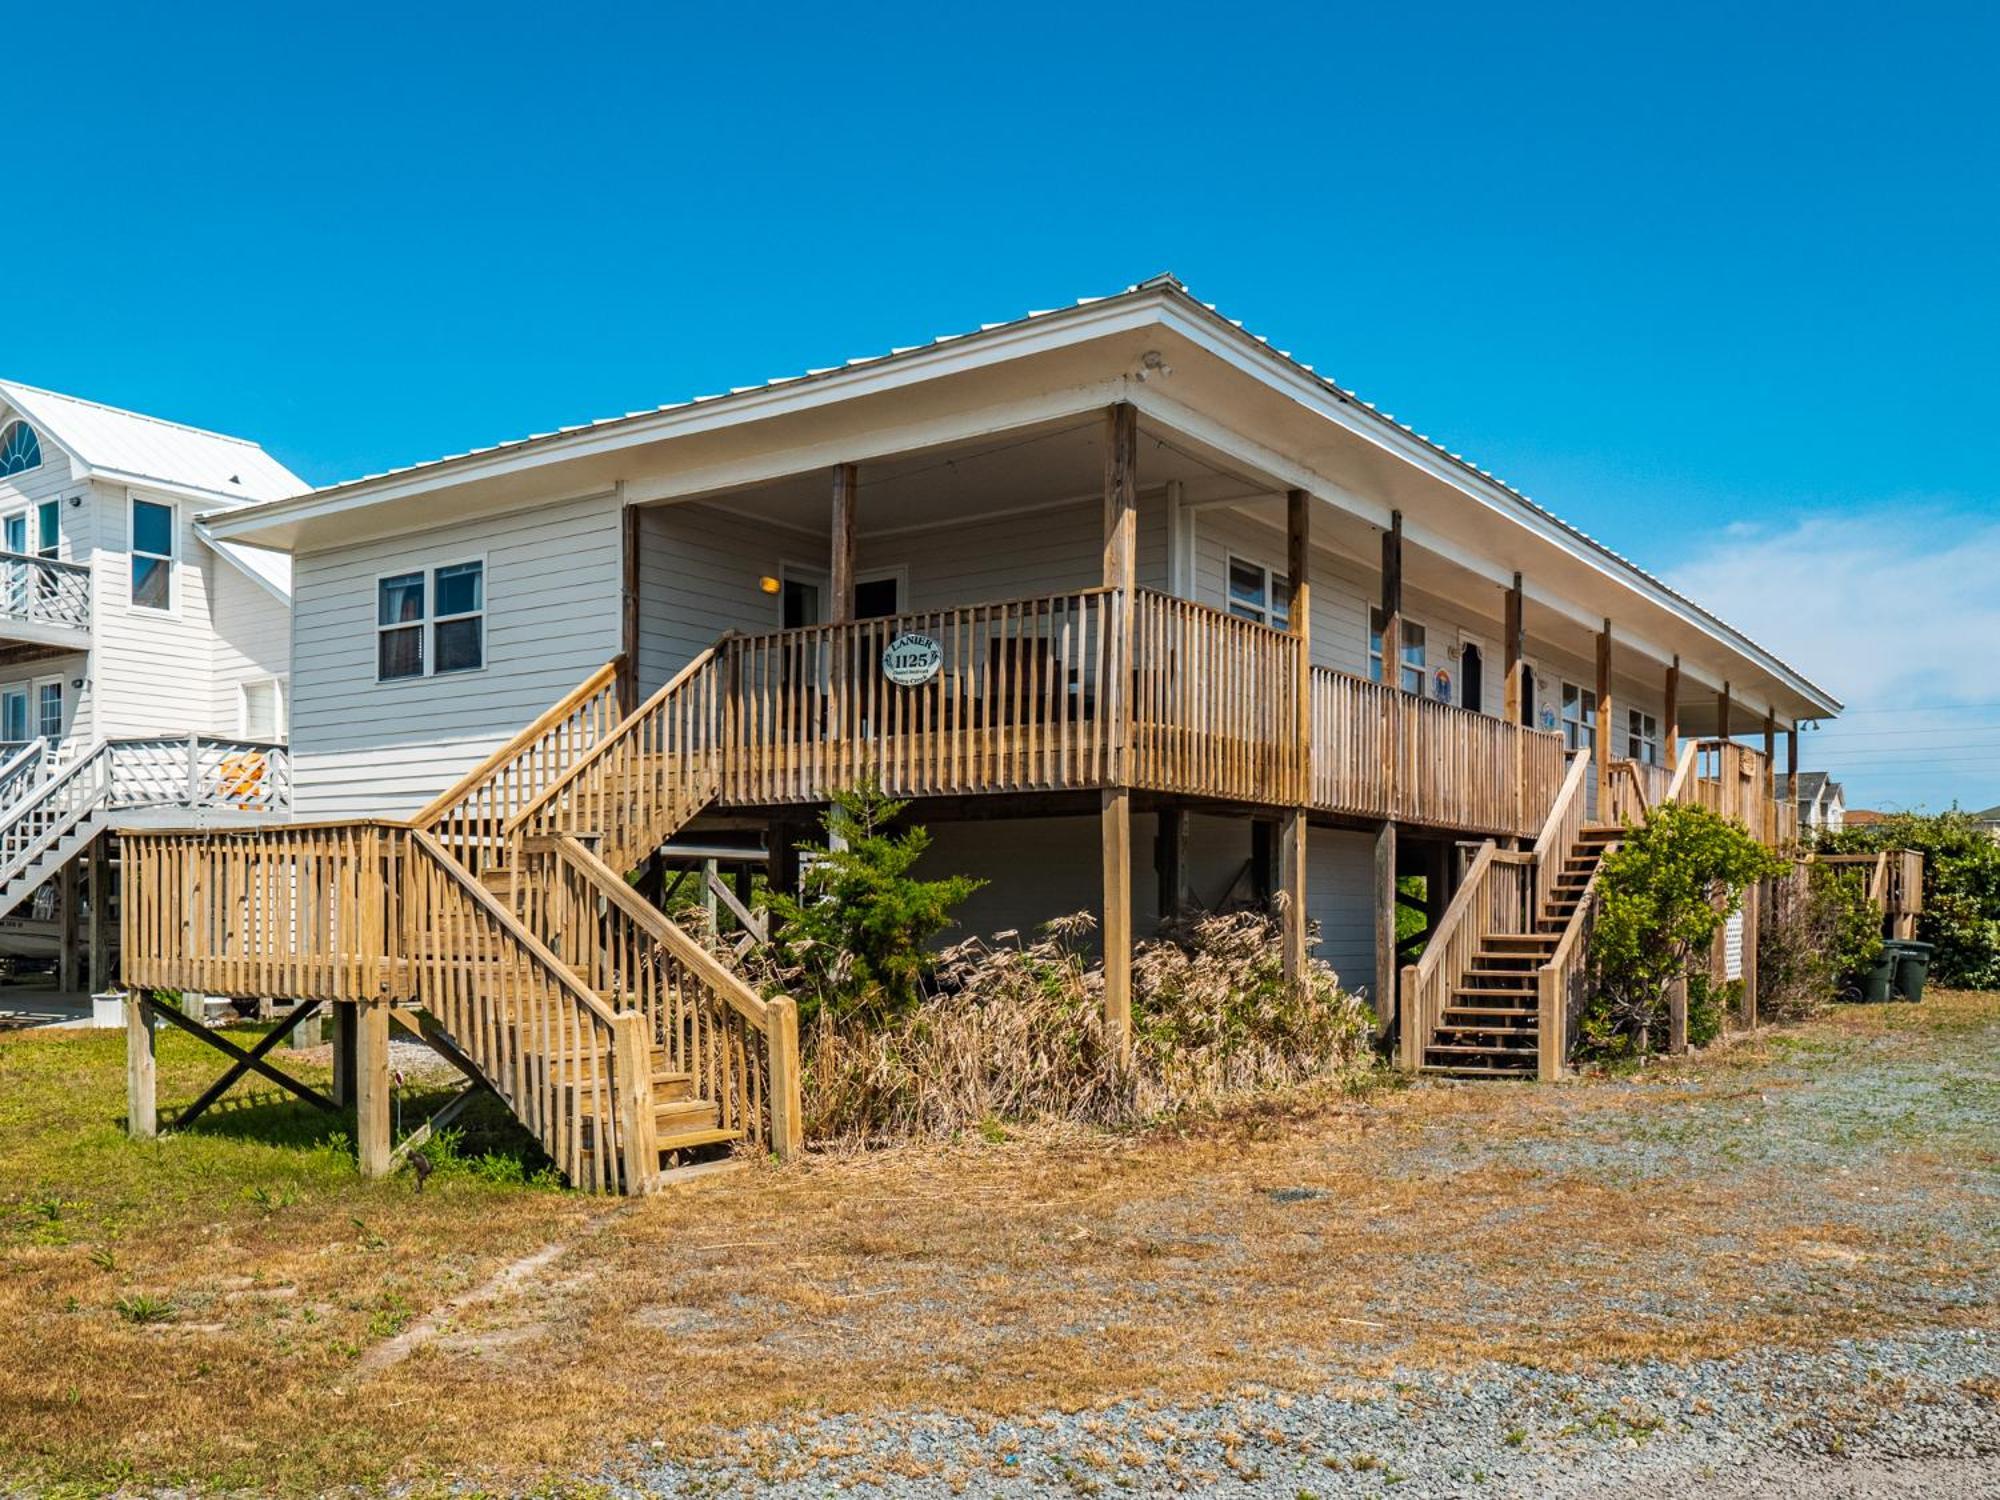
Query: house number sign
[[911, 660]]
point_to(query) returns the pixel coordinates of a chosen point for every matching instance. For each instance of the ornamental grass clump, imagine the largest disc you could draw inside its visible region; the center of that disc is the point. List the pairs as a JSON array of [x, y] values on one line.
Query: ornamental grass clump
[[1014, 1032]]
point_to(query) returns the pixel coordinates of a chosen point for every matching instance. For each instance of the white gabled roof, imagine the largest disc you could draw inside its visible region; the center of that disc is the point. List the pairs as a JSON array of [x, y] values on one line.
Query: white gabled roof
[[127, 445]]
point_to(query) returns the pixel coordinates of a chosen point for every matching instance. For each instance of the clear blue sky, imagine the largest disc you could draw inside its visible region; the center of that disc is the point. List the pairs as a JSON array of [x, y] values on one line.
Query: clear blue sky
[[1666, 270]]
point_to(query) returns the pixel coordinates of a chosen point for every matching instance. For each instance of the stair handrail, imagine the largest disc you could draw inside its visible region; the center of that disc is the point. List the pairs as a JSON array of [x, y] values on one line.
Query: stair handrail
[[1560, 830], [775, 1018], [14, 860], [1683, 772], [536, 815], [1552, 980], [1473, 914], [621, 1149], [520, 754], [26, 762]]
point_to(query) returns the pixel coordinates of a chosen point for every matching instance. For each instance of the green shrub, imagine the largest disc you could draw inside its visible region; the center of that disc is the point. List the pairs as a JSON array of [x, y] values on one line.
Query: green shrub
[[1818, 931], [1664, 894], [858, 933], [1961, 914]]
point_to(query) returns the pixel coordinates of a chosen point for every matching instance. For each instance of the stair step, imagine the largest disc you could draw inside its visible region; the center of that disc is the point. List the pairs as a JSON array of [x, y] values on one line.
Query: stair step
[[1473, 1070], [689, 1140], [689, 1116], [1481, 1049], [1459, 1030], [1523, 1013]]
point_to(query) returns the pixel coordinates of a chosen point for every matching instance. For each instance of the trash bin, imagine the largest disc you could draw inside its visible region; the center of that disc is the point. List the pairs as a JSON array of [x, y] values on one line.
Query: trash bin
[[1913, 966], [1879, 977]]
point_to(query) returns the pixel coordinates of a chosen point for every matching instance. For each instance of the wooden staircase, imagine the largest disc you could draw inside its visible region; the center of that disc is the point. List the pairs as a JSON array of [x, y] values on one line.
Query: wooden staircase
[[1490, 1026]]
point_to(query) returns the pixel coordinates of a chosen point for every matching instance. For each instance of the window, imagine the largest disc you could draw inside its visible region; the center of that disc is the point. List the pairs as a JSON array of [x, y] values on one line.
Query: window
[[877, 598], [263, 709], [14, 716], [1579, 717], [459, 632], [1411, 651], [49, 710], [20, 449], [48, 528], [152, 555], [1257, 593], [1642, 739], [430, 623]]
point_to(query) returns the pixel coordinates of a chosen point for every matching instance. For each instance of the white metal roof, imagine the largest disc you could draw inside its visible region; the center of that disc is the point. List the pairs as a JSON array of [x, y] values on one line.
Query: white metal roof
[[131, 446]]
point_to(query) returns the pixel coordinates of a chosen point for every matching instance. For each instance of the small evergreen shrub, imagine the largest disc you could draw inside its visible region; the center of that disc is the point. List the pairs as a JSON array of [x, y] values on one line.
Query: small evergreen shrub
[[858, 933], [1664, 894]]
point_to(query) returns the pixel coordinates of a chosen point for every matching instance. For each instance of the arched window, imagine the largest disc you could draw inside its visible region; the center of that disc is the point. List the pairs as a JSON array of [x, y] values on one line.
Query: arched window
[[19, 449]]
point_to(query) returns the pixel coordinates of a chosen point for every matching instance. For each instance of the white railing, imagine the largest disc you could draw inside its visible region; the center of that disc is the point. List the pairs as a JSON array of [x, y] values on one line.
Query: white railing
[[194, 771], [26, 766], [42, 591]]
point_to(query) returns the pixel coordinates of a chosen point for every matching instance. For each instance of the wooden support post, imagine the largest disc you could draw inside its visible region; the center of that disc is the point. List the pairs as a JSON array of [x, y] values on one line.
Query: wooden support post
[[1551, 1025], [631, 1051], [1722, 713], [1385, 928], [97, 892], [344, 1055], [69, 931], [142, 1109], [782, 1040], [628, 610], [1116, 927], [1672, 720], [1677, 1017], [1170, 855], [1515, 647], [1753, 911], [1770, 783], [372, 1102], [1392, 601], [1606, 716], [1292, 886], [781, 870], [840, 571], [1121, 495], [708, 898]]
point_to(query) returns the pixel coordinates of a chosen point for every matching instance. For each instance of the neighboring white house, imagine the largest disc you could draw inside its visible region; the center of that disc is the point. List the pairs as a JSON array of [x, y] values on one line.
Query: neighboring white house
[[141, 660], [1822, 803]]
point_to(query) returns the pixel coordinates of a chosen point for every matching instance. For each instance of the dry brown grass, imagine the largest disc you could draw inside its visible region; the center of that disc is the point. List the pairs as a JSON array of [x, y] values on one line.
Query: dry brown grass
[[1316, 1239]]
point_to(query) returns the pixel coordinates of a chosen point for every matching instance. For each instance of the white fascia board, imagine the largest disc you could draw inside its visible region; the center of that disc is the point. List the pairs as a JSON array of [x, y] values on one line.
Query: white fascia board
[[180, 491], [1218, 337], [208, 539], [890, 372]]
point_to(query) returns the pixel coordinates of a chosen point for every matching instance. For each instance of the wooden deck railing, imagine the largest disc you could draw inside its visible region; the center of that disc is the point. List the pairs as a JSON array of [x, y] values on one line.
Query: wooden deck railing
[[1382, 753], [310, 911], [740, 1049], [640, 783], [1016, 703], [1213, 703], [1735, 781], [471, 816], [1492, 899]]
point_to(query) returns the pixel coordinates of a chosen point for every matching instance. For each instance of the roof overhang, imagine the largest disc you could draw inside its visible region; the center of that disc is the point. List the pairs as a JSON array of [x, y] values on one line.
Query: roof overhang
[[1221, 386]]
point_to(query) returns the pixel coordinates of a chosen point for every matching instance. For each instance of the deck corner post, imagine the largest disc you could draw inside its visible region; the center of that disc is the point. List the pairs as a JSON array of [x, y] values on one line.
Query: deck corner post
[[1551, 1024], [1410, 1048], [1671, 715], [1385, 928], [1677, 1016], [840, 567], [1753, 912], [782, 1038], [1606, 717], [631, 1043], [142, 1112], [1292, 884], [371, 1087], [1117, 926]]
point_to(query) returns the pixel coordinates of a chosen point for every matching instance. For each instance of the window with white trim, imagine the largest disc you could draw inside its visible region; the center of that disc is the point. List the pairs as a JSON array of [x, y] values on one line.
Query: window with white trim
[[430, 623], [1409, 647], [1259, 593], [49, 710], [1642, 737], [262, 711], [152, 555], [1579, 717]]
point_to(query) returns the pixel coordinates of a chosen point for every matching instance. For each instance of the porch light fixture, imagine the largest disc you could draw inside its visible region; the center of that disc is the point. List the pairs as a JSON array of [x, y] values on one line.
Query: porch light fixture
[[769, 584]]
